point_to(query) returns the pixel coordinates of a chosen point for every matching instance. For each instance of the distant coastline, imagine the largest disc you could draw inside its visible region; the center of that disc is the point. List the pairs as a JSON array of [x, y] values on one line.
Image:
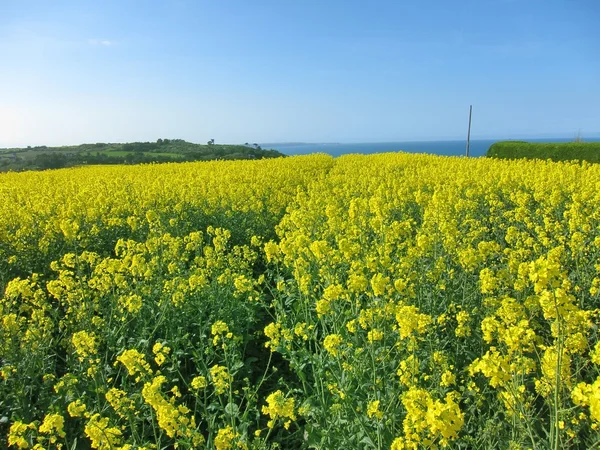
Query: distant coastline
[[592, 137], [478, 147], [291, 144]]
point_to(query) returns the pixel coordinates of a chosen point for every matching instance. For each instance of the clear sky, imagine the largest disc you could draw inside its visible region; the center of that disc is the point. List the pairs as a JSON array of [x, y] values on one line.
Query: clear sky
[[296, 70]]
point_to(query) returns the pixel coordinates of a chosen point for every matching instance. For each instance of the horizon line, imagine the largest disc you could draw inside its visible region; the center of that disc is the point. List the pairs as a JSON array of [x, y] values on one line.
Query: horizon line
[[594, 136]]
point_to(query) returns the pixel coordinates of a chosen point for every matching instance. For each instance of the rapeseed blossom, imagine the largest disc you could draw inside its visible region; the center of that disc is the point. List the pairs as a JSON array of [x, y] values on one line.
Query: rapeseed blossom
[[134, 362], [160, 351], [225, 438], [279, 407], [198, 382], [102, 436], [17, 435], [332, 343], [373, 410], [86, 344], [53, 425], [221, 378], [412, 301], [76, 408]]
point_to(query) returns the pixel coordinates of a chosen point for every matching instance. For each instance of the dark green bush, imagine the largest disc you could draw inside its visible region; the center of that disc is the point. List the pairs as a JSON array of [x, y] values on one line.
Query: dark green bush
[[556, 151]]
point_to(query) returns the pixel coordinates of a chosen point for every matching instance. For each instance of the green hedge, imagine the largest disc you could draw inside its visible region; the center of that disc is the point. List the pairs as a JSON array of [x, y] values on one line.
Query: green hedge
[[556, 151]]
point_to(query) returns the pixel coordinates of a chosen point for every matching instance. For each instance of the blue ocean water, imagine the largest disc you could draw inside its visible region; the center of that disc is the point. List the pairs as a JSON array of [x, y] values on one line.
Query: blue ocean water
[[479, 147]]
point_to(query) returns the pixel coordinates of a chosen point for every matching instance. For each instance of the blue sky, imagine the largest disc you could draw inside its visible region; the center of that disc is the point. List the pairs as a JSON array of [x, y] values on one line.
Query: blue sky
[[291, 70]]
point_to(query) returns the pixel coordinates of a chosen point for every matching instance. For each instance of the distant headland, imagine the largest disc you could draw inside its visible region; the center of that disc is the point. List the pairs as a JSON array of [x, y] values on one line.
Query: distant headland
[[163, 150]]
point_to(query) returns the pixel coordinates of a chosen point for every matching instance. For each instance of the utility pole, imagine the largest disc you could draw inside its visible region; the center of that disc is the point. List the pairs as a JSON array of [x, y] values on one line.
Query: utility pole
[[469, 132]]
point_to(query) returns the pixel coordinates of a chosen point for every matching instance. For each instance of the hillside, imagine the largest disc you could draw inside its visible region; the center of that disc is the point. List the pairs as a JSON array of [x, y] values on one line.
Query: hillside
[[163, 150]]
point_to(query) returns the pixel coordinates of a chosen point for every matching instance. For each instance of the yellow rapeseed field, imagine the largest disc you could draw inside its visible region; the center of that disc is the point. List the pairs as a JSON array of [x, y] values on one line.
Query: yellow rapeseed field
[[389, 301]]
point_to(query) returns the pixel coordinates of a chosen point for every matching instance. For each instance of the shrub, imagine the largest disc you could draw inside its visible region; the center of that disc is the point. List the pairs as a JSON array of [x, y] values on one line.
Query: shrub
[[556, 151]]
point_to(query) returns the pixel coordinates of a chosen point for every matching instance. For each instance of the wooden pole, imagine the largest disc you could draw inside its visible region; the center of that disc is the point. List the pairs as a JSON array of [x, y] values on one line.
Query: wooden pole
[[469, 132]]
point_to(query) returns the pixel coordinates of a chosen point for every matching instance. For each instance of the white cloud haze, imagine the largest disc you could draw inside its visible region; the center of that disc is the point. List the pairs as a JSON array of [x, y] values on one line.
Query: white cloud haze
[[104, 42]]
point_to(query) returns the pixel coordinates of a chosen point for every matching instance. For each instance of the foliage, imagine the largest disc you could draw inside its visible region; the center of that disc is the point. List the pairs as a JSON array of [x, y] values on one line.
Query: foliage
[[387, 301], [563, 151], [163, 150]]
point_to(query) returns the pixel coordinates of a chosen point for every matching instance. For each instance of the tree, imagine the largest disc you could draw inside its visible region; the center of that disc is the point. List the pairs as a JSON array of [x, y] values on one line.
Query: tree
[[50, 160]]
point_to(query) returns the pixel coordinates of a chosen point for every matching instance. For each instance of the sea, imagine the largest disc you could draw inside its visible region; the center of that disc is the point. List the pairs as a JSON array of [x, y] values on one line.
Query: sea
[[478, 147]]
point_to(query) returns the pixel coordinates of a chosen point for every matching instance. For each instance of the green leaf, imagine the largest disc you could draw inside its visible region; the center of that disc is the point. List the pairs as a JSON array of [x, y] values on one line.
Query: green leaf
[[231, 409]]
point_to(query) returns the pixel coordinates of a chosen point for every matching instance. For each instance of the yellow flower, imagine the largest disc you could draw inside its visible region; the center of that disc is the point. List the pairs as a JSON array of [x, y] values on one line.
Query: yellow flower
[[550, 361], [300, 330], [487, 281], [242, 284], [351, 326], [588, 395], [198, 382], [375, 335], [494, 366], [332, 343], [357, 283], [373, 410], [172, 419], [323, 307], [85, 344], [53, 425], [221, 378], [101, 435], [399, 444], [379, 284], [225, 438], [595, 354], [410, 321], [160, 359], [132, 303], [17, 434], [408, 370], [134, 362], [333, 292], [448, 379], [463, 329], [279, 407], [76, 408], [161, 351], [272, 251], [432, 419], [273, 332], [120, 402], [69, 229]]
